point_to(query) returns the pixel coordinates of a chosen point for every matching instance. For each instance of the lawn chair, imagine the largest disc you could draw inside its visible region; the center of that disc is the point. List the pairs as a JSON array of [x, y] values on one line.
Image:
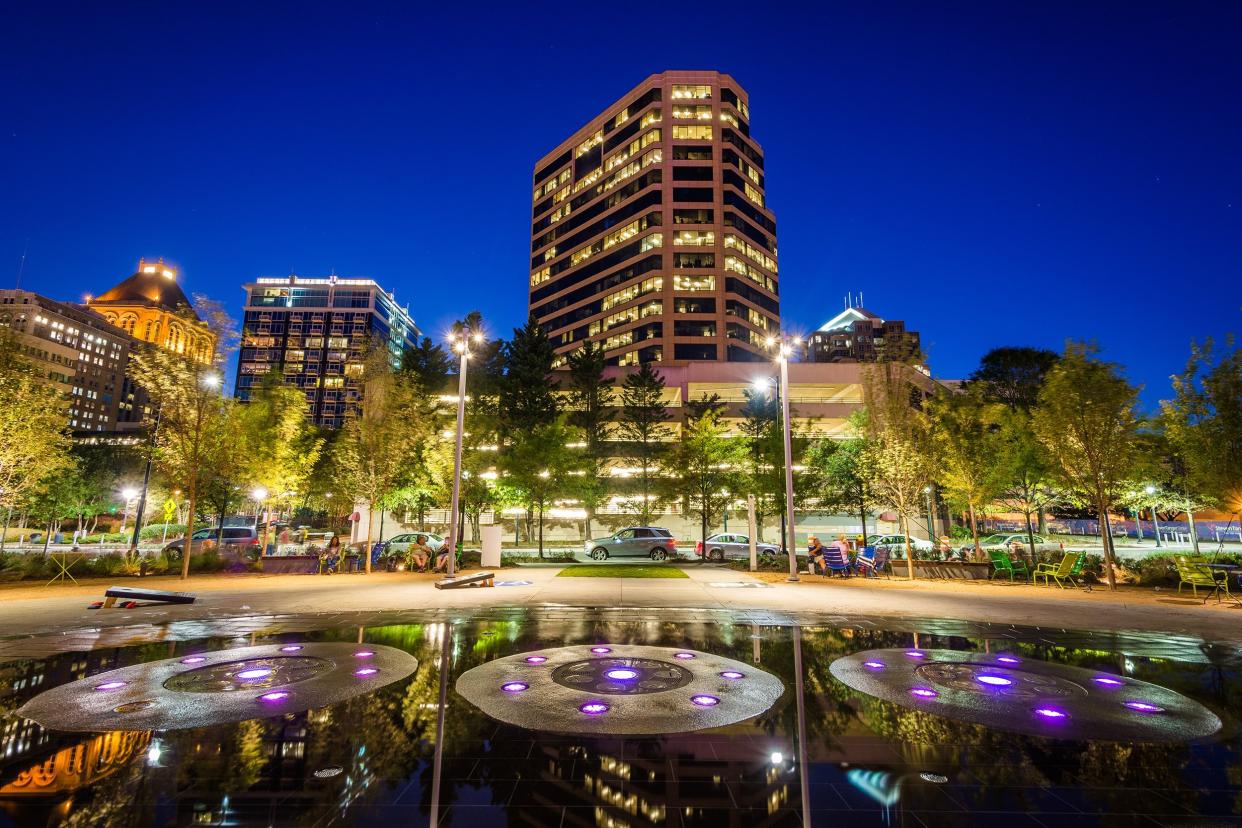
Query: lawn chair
[[881, 562], [1199, 575], [1075, 573], [1057, 572], [864, 562], [835, 561], [1003, 563]]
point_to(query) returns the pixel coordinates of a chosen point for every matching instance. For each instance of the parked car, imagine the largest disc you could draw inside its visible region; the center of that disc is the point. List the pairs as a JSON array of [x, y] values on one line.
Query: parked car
[[235, 540], [896, 544], [634, 542], [724, 545], [400, 544], [1012, 542]]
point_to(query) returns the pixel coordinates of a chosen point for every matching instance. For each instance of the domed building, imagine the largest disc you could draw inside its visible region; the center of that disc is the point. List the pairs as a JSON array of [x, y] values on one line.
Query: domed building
[[151, 307]]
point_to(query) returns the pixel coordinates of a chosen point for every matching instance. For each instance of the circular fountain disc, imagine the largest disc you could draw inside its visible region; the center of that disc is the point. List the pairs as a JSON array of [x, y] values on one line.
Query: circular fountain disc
[[1004, 693], [646, 690], [224, 687]]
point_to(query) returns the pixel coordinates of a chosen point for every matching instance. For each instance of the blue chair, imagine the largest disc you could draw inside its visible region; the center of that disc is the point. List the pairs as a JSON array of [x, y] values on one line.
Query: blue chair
[[865, 562], [836, 561]]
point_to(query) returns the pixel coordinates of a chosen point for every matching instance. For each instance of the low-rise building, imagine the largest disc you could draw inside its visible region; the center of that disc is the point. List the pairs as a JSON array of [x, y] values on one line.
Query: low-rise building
[[858, 335]]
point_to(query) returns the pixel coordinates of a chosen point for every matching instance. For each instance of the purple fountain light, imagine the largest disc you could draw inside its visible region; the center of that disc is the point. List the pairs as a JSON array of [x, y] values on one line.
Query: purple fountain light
[[365, 671], [363, 654], [683, 656], [291, 648], [601, 650], [255, 673], [916, 653], [621, 674], [274, 696], [924, 692], [732, 674], [536, 659], [1143, 707], [1008, 660], [594, 708], [1107, 681], [705, 700], [514, 686], [994, 681], [874, 665], [194, 660], [1050, 713], [110, 685]]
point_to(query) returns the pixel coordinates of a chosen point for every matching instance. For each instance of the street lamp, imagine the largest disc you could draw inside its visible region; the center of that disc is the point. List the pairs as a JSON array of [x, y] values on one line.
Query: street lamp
[[1155, 522], [783, 348], [260, 496], [460, 343], [127, 494], [931, 515]]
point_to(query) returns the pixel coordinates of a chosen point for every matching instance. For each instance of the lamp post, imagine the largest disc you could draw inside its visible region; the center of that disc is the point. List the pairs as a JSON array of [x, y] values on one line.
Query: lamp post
[[460, 343], [260, 497], [1155, 522], [931, 515], [127, 494], [146, 482], [783, 347]]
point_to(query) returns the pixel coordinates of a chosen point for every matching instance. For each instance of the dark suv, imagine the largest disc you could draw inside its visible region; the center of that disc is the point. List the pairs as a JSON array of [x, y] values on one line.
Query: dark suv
[[235, 541], [634, 542]]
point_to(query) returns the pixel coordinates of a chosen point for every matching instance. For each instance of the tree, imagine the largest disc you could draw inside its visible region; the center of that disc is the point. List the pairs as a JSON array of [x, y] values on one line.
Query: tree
[[1029, 488], [969, 444], [591, 414], [897, 459], [34, 444], [538, 466], [765, 454], [527, 392], [196, 434], [1013, 376], [644, 429], [1086, 420], [426, 366], [843, 482], [370, 450], [1203, 422], [707, 468]]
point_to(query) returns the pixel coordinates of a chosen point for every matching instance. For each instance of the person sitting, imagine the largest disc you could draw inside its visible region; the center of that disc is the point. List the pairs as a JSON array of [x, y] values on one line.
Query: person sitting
[[815, 556], [442, 560], [419, 553]]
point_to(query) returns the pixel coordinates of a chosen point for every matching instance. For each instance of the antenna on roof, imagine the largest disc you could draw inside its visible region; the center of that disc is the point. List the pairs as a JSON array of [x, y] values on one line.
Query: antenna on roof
[[861, 303], [21, 265]]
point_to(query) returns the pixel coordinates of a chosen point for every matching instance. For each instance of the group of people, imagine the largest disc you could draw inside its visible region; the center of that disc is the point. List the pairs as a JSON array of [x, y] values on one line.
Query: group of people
[[419, 554], [816, 553]]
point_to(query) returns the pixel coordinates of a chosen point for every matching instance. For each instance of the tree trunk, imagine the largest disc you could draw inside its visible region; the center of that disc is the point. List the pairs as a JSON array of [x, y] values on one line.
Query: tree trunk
[[1106, 534], [1030, 534], [905, 529], [590, 517], [1194, 533], [366, 551], [862, 514], [1043, 521], [974, 530], [541, 529], [188, 543]]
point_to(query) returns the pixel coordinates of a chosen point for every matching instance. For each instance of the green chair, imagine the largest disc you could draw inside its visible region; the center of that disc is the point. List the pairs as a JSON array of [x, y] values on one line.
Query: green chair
[[1075, 573], [1057, 572], [1199, 575], [1003, 563]]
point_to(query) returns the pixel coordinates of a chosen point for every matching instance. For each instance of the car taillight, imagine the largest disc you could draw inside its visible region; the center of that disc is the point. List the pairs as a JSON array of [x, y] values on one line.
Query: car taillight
[[672, 544], [698, 547]]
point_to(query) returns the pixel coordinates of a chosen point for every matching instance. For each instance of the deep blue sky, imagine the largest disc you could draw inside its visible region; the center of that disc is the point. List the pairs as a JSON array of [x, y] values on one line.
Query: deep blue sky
[[994, 173]]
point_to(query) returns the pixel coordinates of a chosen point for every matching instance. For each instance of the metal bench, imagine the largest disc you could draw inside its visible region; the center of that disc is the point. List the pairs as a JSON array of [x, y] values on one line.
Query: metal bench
[[480, 579], [113, 594]]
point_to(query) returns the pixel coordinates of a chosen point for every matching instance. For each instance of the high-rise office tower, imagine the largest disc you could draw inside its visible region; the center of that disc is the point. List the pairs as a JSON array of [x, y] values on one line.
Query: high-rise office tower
[[317, 334], [650, 233]]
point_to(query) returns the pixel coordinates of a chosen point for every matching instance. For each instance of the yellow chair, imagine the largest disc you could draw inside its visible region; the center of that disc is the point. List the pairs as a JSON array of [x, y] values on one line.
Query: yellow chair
[[1199, 575], [1060, 572]]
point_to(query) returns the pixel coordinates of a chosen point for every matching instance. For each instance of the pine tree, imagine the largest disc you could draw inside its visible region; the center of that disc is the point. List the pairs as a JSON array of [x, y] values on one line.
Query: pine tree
[[644, 429], [591, 414]]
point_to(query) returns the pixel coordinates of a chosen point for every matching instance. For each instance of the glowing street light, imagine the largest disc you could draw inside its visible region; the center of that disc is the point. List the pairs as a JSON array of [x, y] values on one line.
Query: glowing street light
[[460, 343], [783, 348], [127, 494]]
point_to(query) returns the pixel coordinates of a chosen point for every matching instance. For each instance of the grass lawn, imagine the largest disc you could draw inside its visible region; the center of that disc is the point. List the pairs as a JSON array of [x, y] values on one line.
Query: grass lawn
[[620, 571]]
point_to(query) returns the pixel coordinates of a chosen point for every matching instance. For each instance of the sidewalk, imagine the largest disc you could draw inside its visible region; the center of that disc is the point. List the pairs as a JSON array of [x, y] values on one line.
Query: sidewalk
[[37, 610]]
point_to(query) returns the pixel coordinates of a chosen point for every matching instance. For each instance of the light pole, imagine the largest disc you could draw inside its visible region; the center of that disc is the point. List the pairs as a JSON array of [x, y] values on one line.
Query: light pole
[[127, 494], [931, 516], [1155, 522], [784, 348], [260, 496], [460, 343]]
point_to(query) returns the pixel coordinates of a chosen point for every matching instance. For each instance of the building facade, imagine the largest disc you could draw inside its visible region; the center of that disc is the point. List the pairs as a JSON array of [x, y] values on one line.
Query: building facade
[[650, 232], [858, 335], [78, 352], [316, 334], [151, 307]]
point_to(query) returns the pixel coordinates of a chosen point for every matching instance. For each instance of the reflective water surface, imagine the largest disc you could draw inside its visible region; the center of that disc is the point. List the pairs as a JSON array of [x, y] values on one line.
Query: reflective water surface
[[374, 758]]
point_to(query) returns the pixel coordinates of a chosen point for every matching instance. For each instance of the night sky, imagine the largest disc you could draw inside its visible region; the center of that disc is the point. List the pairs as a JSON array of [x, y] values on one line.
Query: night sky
[[993, 173]]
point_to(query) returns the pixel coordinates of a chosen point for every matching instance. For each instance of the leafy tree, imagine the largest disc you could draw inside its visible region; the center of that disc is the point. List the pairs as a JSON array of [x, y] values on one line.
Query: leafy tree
[[970, 455], [34, 445], [707, 469], [426, 366], [591, 414], [897, 458], [538, 466], [765, 454], [371, 448], [1203, 422], [1086, 420], [1013, 376], [843, 481], [705, 404], [196, 432], [643, 427], [1030, 487]]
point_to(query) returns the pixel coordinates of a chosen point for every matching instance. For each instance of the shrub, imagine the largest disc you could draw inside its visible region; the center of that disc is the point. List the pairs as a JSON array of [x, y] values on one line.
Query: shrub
[[155, 531]]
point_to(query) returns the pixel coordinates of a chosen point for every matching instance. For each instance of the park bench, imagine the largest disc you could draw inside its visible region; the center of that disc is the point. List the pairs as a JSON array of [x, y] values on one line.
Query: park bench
[[479, 579], [129, 594]]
